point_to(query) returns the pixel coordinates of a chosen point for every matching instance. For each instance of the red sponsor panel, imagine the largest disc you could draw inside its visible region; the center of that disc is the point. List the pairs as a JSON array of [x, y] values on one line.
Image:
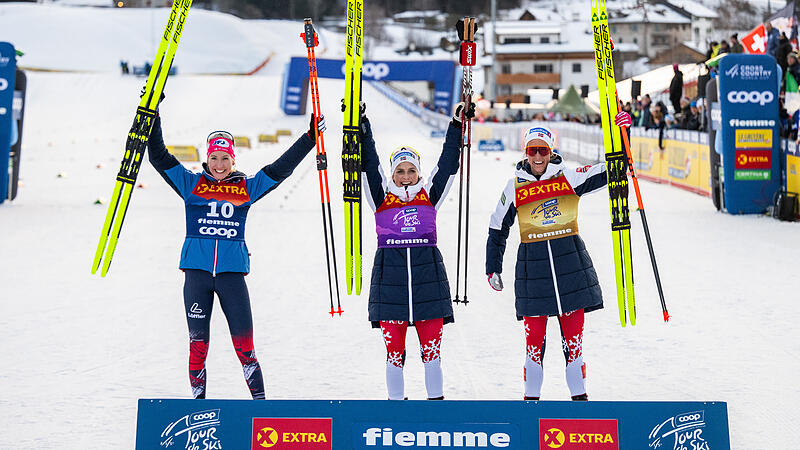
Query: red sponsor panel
[[574, 434], [756, 41], [292, 433], [753, 159], [228, 192], [468, 53], [554, 187]]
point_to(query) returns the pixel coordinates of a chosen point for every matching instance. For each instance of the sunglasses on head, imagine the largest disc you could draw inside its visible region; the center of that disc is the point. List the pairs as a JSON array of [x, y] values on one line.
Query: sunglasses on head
[[532, 150], [219, 134]]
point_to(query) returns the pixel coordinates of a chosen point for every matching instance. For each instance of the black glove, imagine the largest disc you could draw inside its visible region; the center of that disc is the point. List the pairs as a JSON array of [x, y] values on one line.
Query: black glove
[[470, 113], [362, 107], [311, 127]]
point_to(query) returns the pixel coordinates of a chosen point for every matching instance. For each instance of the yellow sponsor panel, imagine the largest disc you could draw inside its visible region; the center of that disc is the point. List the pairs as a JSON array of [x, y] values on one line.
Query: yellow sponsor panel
[[186, 153], [683, 164], [759, 138], [793, 173], [269, 138], [241, 141], [283, 132]]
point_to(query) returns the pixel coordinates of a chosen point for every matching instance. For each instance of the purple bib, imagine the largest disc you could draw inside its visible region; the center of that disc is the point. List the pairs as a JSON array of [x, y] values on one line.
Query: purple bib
[[411, 224]]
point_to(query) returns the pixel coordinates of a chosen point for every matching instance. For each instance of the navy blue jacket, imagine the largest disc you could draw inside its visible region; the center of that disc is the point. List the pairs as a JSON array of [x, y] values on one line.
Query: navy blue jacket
[[534, 284], [216, 211], [389, 296]]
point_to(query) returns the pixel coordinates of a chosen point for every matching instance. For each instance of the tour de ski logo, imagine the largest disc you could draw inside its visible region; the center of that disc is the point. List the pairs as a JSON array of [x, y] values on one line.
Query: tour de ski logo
[[292, 433], [195, 431], [410, 219], [684, 431], [546, 212]]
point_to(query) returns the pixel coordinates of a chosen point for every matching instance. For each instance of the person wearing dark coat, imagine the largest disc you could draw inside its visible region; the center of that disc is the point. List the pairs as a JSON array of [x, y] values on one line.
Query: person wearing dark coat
[[676, 88], [736, 46], [554, 274], [773, 38], [409, 286], [793, 66]]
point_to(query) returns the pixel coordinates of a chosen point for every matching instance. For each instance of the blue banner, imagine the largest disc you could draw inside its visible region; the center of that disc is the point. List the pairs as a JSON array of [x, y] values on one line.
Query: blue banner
[[8, 75], [374, 424], [750, 133], [441, 73], [491, 145]]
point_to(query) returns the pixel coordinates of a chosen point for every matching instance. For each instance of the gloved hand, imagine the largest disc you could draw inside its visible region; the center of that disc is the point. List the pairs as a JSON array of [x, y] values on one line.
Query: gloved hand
[[495, 281], [321, 126], [622, 119], [459, 107]]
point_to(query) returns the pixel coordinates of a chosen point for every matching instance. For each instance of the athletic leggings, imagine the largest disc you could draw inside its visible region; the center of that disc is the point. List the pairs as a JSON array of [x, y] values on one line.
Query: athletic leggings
[[198, 298], [430, 338], [572, 344]]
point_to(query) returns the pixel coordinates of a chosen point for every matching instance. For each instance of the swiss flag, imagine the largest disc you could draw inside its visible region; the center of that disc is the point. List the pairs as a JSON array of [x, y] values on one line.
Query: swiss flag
[[756, 41]]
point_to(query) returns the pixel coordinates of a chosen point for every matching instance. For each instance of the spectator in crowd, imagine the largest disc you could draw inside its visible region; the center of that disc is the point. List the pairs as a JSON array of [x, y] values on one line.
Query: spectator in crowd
[[724, 48], [682, 114], [736, 46], [676, 88], [711, 50], [645, 117], [772, 40], [784, 48], [793, 66], [658, 123]]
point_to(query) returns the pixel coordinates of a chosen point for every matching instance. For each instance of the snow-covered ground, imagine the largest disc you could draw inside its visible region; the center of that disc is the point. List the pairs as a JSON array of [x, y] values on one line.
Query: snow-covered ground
[[77, 350]]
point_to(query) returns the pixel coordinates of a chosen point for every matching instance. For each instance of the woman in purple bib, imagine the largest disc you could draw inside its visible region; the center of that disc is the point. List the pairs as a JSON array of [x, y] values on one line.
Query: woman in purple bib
[[409, 284]]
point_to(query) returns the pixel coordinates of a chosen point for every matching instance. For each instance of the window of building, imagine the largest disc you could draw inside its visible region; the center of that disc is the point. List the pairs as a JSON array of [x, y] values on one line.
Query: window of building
[[635, 27], [545, 40], [657, 27], [635, 40], [505, 68], [542, 68], [576, 67], [614, 29], [518, 40]]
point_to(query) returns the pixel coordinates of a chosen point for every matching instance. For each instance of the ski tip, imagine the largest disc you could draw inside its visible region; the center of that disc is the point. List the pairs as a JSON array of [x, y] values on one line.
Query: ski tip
[[666, 316]]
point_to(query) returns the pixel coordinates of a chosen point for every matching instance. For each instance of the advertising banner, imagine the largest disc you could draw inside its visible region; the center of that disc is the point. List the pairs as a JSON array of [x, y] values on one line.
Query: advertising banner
[[8, 75], [379, 424], [440, 73], [748, 91]]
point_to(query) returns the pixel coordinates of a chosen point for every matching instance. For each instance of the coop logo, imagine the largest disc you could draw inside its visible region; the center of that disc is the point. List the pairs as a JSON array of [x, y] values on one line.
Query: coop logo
[[374, 71], [444, 435], [195, 431], [583, 434], [3, 84], [762, 98], [748, 72], [216, 231], [295, 433], [684, 431]]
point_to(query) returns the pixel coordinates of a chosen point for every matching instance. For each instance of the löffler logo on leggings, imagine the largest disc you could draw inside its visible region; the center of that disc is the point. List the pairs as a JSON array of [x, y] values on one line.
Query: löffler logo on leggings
[[574, 434], [294, 433]]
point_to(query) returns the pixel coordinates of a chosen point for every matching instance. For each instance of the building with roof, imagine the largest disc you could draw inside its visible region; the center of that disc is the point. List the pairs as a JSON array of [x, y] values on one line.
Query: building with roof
[[702, 19], [541, 54], [653, 27]]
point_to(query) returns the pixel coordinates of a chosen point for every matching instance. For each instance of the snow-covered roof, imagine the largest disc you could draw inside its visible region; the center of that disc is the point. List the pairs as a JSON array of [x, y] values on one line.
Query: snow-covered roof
[[655, 14], [696, 9], [416, 14], [580, 43], [517, 27]]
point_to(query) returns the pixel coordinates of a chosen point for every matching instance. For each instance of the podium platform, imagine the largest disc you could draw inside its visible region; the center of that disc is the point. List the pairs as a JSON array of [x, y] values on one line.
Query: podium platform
[[378, 424]]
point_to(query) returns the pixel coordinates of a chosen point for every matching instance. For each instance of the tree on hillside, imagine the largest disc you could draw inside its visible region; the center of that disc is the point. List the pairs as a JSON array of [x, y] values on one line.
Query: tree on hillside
[[736, 15]]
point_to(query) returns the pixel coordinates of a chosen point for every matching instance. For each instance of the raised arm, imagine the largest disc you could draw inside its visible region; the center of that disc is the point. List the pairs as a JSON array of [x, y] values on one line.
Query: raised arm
[[587, 179], [374, 182], [178, 177]]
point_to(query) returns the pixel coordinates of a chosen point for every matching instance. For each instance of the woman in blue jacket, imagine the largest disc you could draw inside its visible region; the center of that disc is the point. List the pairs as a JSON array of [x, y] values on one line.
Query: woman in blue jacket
[[554, 275], [214, 257], [409, 285]]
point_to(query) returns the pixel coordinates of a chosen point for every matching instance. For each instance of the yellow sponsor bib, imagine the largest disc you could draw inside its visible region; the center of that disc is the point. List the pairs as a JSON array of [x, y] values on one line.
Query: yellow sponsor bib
[[546, 209]]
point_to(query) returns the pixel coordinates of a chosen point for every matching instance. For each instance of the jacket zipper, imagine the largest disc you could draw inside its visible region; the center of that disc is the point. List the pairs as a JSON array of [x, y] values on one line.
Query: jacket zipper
[[214, 269], [410, 296], [555, 282]]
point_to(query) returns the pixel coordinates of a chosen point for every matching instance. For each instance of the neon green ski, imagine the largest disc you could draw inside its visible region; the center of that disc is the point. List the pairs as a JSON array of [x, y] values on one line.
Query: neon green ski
[[615, 164], [138, 136], [351, 145]]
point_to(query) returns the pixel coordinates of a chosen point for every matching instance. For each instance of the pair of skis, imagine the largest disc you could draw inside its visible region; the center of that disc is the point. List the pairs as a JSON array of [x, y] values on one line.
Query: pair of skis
[[351, 144], [311, 40], [466, 29], [138, 136], [618, 161]]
